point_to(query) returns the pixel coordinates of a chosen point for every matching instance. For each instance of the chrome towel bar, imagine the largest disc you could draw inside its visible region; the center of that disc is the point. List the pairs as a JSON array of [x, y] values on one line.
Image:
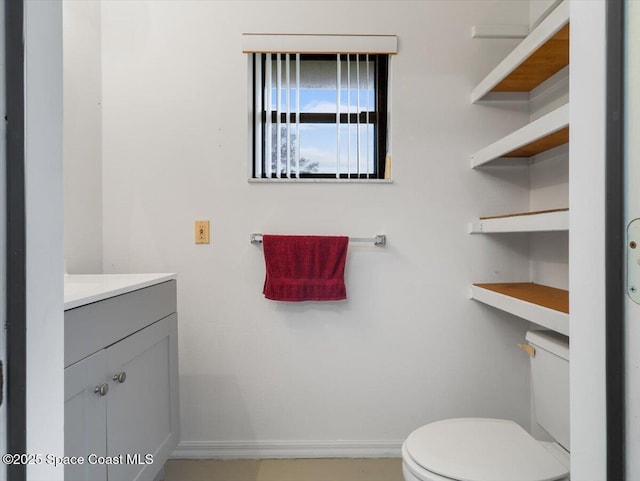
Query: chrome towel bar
[[379, 240]]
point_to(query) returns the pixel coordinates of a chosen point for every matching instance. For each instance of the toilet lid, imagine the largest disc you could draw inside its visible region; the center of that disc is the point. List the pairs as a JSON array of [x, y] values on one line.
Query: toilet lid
[[476, 449]]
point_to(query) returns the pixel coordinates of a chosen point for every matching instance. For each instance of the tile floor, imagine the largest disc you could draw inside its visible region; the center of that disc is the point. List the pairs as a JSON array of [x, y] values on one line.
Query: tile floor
[[284, 470]]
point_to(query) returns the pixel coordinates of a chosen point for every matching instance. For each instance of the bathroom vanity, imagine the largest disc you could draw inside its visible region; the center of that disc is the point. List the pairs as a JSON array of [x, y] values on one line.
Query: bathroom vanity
[[121, 376]]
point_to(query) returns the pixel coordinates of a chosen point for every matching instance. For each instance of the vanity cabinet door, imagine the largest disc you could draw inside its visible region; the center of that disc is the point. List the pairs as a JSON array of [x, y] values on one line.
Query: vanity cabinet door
[[85, 416], [142, 405]]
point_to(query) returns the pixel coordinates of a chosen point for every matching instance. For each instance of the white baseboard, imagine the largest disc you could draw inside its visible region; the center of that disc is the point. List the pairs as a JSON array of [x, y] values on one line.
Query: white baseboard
[[286, 449]]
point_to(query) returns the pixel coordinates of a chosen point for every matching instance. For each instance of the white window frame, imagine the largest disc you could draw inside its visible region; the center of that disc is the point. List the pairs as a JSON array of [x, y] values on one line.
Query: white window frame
[[291, 47]]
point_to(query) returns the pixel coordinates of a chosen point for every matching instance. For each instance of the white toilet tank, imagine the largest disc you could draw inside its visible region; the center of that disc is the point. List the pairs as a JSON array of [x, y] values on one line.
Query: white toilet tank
[[550, 383]]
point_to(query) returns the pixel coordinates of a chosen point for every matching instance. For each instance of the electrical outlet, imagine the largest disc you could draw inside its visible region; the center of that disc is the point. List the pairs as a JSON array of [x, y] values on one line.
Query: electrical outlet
[[202, 231]]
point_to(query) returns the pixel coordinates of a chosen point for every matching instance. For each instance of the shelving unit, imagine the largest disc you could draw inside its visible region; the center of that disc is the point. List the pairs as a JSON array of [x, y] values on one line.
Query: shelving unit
[[540, 221], [543, 305], [543, 134], [544, 52]]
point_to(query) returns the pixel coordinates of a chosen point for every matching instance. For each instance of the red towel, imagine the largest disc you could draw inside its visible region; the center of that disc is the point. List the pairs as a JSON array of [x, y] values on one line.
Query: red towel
[[305, 268]]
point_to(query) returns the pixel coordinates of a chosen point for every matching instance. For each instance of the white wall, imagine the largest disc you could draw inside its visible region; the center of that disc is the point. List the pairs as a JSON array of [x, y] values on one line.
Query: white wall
[[539, 9], [408, 347], [549, 184], [586, 243], [44, 250], [82, 136]]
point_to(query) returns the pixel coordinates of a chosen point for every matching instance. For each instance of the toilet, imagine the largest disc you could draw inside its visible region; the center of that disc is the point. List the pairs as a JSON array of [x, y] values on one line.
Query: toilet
[[483, 449]]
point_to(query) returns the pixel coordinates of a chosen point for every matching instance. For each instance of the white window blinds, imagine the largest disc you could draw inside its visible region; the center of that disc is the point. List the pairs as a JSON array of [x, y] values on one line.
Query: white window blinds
[[319, 105]]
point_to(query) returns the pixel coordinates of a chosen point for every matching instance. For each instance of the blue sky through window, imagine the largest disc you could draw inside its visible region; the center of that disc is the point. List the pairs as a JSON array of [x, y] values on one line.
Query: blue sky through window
[[318, 141]]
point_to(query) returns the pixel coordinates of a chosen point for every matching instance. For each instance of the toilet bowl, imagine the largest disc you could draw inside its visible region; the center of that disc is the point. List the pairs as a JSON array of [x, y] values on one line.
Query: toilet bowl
[[478, 449], [484, 449]]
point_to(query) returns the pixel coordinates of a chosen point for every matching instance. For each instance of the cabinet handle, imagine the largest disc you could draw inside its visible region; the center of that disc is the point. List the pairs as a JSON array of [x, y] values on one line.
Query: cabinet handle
[[120, 377], [102, 389]]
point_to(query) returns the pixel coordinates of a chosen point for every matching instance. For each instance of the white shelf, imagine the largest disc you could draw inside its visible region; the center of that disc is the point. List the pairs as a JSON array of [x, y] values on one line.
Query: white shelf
[[520, 76], [534, 138], [548, 41], [536, 312], [543, 221]]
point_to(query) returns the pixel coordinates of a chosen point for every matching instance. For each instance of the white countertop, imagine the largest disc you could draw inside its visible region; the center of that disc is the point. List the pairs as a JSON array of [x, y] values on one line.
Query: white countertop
[[82, 289]]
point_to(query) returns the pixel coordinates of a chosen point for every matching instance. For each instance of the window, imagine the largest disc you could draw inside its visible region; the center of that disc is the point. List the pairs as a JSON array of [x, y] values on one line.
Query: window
[[319, 115]]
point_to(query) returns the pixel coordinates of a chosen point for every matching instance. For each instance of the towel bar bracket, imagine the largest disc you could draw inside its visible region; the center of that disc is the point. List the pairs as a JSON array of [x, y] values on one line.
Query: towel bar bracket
[[379, 240]]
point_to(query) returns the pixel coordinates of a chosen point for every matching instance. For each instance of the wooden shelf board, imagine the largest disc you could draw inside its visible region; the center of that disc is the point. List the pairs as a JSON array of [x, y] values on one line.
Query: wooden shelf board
[[545, 133], [538, 57], [550, 297], [541, 145], [543, 305], [520, 214], [541, 221], [547, 60]]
